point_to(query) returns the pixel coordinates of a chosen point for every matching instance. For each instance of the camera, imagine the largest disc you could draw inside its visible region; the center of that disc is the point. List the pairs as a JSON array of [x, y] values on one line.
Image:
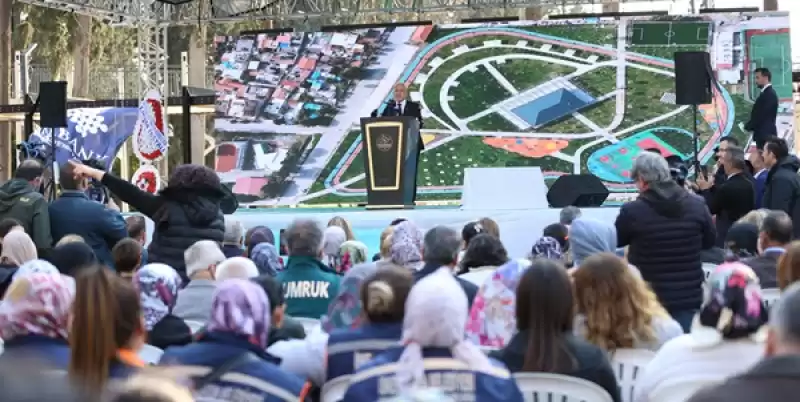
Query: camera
[[96, 191]]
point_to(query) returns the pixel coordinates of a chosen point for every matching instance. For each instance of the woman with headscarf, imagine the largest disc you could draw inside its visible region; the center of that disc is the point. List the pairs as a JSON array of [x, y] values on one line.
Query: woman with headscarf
[[492, 318], [35, 267], [34, 319], [186, 211], [345, 225], [351, 253], [158, 286], [727, 335], [72, 257], [236, 340], [257, 235], [741, 241], [406, 246], [19, 249], [266, 258], [332, 240], [590, 236], [433, 331]]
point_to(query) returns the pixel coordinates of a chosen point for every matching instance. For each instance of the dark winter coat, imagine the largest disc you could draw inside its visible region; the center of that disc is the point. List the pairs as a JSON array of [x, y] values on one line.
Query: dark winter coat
[[782, 190]]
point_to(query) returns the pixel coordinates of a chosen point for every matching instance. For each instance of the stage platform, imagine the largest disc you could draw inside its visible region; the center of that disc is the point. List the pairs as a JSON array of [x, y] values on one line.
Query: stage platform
[[519, 229]]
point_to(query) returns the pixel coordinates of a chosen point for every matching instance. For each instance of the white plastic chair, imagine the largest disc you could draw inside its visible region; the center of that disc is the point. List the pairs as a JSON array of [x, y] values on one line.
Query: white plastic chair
[[333, 391], [561, 388], [309, 324], [150, 354], [708, 269], [628, 364], [195, 326], [770, 296], [681, 390]]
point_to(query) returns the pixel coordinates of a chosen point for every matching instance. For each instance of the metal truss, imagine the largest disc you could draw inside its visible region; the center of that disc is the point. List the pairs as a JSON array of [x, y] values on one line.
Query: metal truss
[[130, 12]]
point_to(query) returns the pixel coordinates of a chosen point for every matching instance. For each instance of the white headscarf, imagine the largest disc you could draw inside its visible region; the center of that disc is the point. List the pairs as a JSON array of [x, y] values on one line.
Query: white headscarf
[[332, 240], [436, 315], [36, 267]]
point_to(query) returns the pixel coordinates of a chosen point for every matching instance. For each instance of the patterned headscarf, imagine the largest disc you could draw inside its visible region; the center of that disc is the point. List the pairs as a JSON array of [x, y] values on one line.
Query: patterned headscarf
[[436, 315], [492, 319], [406, 248], [351, 253], [158, 286], [256, 236], [18, 248], [332, 240], [37, 304], [546, 247], [241, 307], [35, 267], [266, 258], [733, 307], [345, 310]]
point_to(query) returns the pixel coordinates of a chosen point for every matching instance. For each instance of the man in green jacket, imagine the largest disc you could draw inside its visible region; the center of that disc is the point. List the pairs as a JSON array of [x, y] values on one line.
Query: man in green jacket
[[308, 284], [20, 200]]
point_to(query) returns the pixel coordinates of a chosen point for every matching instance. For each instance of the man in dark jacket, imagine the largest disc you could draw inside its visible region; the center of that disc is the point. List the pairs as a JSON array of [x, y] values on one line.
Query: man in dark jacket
[[731, 199], [440, 250], [777, 376], [233, 242], [775, 233], [765, 109], [782, 189], [101, 226], [665, 229], [20, 200]]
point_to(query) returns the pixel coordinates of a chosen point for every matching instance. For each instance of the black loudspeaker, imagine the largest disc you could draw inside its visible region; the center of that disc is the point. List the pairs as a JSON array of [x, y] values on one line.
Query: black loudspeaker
[[580, 190], [53, 104], [692, 78]]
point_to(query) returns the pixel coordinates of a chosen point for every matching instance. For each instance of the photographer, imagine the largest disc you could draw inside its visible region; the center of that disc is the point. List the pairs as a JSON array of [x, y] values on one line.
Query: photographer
[[100, 225]]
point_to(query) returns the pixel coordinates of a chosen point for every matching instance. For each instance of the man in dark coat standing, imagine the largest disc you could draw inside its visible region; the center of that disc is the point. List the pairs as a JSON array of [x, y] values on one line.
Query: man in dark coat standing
[[782, 189], [765, 109]]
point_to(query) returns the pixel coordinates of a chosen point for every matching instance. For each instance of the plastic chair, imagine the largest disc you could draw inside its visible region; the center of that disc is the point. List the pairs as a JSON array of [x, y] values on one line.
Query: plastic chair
[[628, 364], [195, 326], [561, 388], [334, 390], [708, 269], [681, 390], [309, 324], [770, 296], [150, 354]]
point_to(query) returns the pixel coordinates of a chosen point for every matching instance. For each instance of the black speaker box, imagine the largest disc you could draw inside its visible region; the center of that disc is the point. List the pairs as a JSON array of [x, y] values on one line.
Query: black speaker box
[[692, 78], [53, 104], [579, 190]]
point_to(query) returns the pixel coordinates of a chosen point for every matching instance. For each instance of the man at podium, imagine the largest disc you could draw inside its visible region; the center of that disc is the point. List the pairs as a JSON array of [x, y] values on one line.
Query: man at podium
[[400, 105]]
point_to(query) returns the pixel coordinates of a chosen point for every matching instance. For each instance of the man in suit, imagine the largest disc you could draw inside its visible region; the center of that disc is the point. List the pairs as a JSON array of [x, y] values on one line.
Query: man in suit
[[732, 199], [719, 175], [400, 105], [765, 109], [782, 189], [773, 237], [759, 175]]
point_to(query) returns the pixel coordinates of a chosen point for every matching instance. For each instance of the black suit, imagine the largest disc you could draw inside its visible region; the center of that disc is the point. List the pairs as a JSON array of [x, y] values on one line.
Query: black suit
[[730, 201], [412, 109], [763, 116], [765, 266]]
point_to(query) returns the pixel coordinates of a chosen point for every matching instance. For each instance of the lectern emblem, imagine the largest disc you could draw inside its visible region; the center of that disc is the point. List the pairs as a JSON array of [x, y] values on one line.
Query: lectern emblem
[[384, 143]]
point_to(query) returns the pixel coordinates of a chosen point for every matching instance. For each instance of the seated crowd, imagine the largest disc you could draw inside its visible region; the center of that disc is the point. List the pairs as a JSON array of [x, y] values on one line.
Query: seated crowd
[[211, 311]]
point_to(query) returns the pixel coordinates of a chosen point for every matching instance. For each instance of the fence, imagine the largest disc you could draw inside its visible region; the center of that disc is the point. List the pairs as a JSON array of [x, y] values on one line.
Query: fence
[[109, 82]]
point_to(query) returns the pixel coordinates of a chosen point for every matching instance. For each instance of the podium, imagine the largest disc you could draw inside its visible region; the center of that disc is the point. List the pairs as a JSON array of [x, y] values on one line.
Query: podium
[[390, 160]]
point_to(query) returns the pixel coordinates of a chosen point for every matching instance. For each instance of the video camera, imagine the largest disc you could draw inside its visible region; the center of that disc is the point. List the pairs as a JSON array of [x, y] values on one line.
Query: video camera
[[96, 191]]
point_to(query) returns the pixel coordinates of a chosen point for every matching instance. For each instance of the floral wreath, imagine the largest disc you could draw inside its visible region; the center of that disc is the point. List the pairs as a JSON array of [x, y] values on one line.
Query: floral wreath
[[146, 178], [150, 123]]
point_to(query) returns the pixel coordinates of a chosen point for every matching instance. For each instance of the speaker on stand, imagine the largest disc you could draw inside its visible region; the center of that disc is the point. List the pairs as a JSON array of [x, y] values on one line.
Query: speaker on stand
[[52, 102], [693, 87]]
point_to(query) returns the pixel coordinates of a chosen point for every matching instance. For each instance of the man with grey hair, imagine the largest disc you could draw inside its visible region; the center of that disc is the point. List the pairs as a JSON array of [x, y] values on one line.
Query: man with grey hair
[[733, 198], [777, 376], [233, 240], [194, 301], [440, 250], [308, 284], [569, 214], [665, 229]]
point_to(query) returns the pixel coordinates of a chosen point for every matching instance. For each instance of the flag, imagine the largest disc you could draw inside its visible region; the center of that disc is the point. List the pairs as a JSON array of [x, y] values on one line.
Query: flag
[[91, 133]]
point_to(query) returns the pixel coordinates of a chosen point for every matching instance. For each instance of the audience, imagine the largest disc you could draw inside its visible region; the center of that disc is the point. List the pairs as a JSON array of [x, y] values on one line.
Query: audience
[[756, 217], [726, 337], [345, 225], [107, 329], [774, 236], [665, 229], [732, 199], [236, 339], [71, 258], [20, 200], [101, 226], [789, 266], [309, 285], [150, 387], [71, 238], [18, 249], [266, 258], [282, 327], [236, 268], [568, 215], [257, 235], [483, 255], [741, 241], [7, 225], [351, 253], [776, 376], [332, 239], [194, 301], [433, 331], [490, 227], [590, 236], [137, 230], [469, 231], [34, 319], [560, 232], [406, 246], [158, 286], [441, 246], [127, 255], [616, 309], [544, 341], [233, 240], [186, 211], [782, 186]]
